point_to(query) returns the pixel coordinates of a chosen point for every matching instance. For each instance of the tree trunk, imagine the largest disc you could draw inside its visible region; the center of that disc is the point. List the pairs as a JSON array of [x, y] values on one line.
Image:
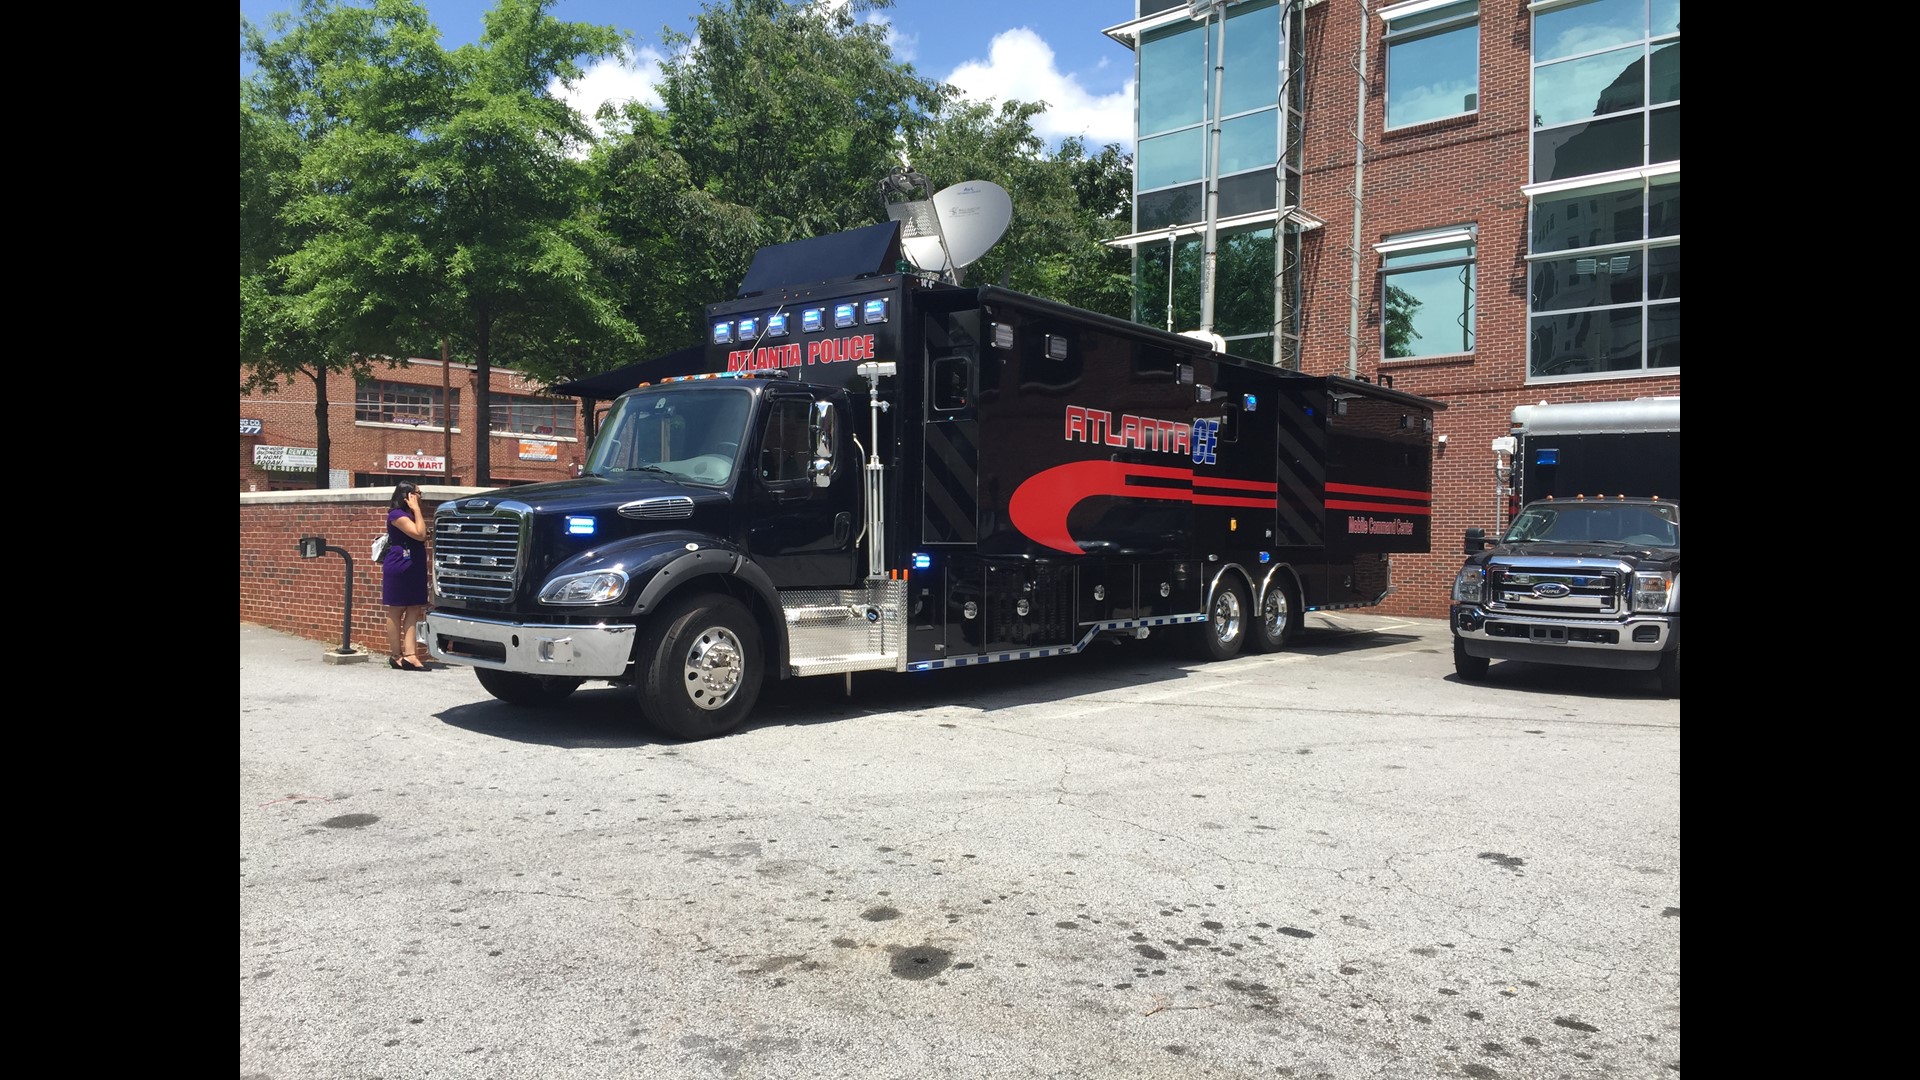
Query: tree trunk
[[322, 441], [482, 401]]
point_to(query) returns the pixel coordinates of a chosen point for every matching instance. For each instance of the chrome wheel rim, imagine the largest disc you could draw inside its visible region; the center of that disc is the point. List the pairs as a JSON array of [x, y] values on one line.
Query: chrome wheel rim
[[1274, 614], [1226, 615], [714, 669]]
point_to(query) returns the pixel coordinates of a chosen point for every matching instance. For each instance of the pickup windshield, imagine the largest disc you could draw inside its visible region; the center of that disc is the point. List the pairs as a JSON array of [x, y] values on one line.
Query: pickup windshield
[[686, 434], [1597, 523]]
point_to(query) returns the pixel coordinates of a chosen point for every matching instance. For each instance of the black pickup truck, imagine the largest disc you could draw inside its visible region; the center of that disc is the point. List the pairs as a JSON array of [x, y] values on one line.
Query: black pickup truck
[[1587, 582]]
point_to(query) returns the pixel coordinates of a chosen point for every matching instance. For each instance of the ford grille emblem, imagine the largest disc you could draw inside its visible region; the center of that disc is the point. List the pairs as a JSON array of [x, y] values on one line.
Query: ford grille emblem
[[1551, 590], [475, 504]]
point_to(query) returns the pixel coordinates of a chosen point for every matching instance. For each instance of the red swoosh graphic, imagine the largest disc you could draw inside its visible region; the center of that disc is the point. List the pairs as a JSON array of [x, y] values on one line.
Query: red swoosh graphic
[[1040, 505]]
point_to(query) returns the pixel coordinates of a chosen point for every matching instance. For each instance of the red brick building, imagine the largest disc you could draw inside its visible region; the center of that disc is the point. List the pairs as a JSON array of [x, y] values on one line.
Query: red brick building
[[413, 421]]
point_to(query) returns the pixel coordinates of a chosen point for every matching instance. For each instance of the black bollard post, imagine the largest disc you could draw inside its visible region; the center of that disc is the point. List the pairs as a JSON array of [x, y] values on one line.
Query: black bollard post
[[310, 548]]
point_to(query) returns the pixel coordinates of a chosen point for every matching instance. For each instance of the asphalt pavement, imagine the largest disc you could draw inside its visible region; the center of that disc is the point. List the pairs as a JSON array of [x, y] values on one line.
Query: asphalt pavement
[[1338, 861]]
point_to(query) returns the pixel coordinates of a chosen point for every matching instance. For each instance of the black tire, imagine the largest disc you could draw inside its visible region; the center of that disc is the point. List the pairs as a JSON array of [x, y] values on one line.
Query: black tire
[[517, 689], [700, 667], [1276, 624], [1224, 633], [1470, 668], [1669, 672]]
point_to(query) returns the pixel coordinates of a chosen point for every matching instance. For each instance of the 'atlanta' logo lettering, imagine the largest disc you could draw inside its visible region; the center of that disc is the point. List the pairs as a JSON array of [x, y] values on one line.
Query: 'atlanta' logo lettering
[[1200, 440]]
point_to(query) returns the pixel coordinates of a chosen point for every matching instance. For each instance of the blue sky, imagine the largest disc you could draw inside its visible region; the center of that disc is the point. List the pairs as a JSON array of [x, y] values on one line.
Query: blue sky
[[1033, 50]]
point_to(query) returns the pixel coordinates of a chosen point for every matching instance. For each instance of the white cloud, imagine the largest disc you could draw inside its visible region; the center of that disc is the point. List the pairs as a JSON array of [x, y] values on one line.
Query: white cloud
[[1020, 66], [632, 77]]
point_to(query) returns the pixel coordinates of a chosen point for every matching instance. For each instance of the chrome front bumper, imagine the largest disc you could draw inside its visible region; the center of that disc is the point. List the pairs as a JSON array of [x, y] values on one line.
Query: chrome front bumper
[[1634, 643], [600, 651]]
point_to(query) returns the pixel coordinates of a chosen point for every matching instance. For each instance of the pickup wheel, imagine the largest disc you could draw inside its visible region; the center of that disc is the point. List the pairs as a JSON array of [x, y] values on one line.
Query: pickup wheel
[[1669, 672], [700, 666], [1470, 668], [517, 689], [1229, 616], [1277, 624]]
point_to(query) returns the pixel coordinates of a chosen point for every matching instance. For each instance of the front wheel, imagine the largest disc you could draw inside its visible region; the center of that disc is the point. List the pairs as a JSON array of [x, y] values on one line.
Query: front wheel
[[1468, 667], [1669, 672], [1277, 624], [701, 666], [517, 689], [1225, 631]]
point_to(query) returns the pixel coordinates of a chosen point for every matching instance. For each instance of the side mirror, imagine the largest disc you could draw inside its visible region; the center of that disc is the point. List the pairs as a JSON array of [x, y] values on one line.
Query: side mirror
[[823, 436], [1476, 541]]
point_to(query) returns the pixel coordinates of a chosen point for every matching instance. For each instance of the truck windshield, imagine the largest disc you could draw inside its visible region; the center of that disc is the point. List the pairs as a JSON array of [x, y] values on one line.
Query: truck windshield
[[692, 434], [1647, 526]]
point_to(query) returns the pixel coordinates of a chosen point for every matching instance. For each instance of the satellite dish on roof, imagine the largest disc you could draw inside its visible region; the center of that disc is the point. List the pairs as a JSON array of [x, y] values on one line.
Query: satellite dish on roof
[[949, 230], [974, 215]]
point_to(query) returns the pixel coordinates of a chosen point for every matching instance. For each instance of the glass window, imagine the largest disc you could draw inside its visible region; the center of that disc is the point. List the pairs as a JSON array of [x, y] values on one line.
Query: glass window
[[1243, 283], [526, 415], [1604, 280], [1249, 142], [1173, 78], [1427, 299], [1433, 64], [1170, 159], [403, 403], [1173, 206], [784, 452], [1250, 77], [1606, 87]]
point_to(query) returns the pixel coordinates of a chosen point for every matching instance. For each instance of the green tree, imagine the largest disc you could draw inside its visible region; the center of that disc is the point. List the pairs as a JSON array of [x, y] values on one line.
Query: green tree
[[1064, 202], [501, 232], [791, 110], [315, 299]]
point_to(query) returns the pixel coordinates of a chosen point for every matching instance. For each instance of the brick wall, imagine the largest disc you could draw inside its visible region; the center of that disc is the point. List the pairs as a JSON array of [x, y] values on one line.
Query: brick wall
[[1468, 170], [306, 597]]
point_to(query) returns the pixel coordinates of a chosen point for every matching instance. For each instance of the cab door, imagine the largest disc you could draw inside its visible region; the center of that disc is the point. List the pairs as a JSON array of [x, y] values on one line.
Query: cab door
[[802, 505]]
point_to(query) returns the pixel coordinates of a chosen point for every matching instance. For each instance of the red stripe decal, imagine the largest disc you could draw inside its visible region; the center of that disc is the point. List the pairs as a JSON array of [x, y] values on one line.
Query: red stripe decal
[[1041, 503]]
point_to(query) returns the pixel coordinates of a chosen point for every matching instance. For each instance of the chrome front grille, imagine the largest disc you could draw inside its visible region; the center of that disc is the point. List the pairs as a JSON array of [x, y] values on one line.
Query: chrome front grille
[[1557, 590], [477, 556]]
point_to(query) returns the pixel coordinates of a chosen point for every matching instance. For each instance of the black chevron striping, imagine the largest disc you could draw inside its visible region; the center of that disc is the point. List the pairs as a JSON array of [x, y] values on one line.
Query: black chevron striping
[[951, 481]]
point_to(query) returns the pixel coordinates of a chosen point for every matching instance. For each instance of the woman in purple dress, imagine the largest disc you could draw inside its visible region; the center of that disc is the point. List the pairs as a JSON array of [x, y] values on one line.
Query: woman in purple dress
[[403, 576]]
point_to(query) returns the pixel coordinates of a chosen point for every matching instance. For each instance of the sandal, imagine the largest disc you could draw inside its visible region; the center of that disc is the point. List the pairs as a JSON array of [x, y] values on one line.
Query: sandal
[[410, 664]]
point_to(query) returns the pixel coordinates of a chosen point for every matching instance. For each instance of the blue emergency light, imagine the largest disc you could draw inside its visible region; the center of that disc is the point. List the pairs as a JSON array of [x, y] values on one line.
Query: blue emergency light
[[812, 320], [777, 324], [1546, 455], [722, 333], [921, 560], [874, 311], [749, 327], [580, 526], [842, 315], [1252, 403]]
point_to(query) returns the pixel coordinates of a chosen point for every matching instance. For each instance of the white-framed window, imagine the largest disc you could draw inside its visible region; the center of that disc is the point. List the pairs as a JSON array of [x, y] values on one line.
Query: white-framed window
[[1433, 60], [1603, 274], [526, 415], [1427, 283], [1606, 86], [380, 402]]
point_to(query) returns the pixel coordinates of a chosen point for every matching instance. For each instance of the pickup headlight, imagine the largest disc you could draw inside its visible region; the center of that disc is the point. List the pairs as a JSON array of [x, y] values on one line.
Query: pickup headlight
[[1656, 592], [598, 587], [1470, 584]]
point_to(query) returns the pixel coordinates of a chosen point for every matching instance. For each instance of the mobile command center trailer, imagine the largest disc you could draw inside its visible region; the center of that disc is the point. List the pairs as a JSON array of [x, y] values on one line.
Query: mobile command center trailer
[[881, 472]]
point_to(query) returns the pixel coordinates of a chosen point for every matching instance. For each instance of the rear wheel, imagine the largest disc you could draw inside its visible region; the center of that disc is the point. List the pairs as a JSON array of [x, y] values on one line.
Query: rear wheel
[[1228, 617], [1277, 624], [517, 689], [700, 667], [1669, 672], [1470, 668]]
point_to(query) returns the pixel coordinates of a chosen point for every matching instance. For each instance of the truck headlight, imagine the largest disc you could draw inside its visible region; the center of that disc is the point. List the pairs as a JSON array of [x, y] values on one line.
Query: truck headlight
[[1655, 591], [597, 587], [1469, 585]]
